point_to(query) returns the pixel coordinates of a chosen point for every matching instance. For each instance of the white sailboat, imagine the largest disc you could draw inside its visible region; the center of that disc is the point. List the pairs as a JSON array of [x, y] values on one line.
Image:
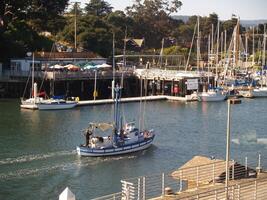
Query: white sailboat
[[31, 103], [122, 140], [211, 94], [56, 104], [262, 91]]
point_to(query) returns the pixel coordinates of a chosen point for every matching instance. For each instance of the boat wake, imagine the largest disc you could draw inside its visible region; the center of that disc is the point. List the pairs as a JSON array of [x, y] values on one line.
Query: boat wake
[[50, 168], [89, 161], [34, 157], [21, 173]]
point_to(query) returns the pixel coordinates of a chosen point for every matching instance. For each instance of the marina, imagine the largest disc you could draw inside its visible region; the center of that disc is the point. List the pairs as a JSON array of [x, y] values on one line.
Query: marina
[[133, 100]]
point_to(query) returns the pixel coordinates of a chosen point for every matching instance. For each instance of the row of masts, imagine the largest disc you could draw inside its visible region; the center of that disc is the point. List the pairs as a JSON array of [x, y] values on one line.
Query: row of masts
[[235, 52]]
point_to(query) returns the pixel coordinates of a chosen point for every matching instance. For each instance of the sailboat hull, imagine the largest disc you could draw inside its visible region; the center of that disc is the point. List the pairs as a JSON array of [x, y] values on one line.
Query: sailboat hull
[[260, 92], [211, 96], [31, 103], [29, 106], [56, 106], [92, 152]]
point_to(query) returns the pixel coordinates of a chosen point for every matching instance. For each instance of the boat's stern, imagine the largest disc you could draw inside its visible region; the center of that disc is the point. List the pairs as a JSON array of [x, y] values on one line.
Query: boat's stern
[[78, 149]]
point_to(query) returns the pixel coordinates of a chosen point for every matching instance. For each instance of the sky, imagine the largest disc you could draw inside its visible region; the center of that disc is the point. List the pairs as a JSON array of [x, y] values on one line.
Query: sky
[[245, 9]]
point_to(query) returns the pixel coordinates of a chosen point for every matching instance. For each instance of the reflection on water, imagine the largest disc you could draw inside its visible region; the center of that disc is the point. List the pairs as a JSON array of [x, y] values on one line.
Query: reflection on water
[[249, 138]]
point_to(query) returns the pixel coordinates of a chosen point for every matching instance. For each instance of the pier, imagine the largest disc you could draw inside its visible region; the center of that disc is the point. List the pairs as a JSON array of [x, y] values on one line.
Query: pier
[[199, 178], [132, 99]]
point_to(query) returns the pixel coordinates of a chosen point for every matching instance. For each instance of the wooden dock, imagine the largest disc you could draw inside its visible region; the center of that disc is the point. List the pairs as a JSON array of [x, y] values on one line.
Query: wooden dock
[[132, 99], [123, 100]]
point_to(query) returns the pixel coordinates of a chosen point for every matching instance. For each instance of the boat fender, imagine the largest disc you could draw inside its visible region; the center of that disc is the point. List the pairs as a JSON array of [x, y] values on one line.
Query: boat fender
[[77, 99]]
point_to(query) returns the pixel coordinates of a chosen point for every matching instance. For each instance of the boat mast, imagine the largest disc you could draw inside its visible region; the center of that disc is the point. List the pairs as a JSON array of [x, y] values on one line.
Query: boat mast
[[32, 74], [253, 48], [217, 51], [198, 44], [116, 113], [237, 43], [246, 43], [124, 49], [209, 60], [263, 54], [113, 66]]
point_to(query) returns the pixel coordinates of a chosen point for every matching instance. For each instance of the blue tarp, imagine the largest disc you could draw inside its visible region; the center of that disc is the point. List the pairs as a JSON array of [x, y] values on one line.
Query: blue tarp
[[58, 97]]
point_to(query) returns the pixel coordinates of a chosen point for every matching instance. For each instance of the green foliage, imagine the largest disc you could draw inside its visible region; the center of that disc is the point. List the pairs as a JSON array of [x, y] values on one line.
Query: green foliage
[[98, 8], [21, 23], [19, 39], [152, 20]]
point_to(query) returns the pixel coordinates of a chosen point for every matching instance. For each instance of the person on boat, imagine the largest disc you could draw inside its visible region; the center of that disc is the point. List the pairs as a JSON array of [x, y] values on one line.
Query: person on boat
[[88, 134], [146, 134]]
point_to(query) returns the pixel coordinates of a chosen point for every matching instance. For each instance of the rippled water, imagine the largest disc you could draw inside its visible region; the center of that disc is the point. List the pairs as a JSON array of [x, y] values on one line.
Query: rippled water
[[38, 158]]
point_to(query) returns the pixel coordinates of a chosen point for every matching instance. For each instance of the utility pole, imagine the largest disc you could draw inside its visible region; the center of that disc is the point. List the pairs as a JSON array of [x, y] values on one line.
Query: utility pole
[[75, 24], [228, 140]]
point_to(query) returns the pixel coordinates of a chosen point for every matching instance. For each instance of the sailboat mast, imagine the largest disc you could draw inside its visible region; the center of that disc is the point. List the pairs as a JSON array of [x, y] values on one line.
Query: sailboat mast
[[212, 39], [32, 74], [113, 66], [263, 54], [246, 52], [237, 43], [217, 50], [253, 48], [124, 48], [198, 44], [116, 107], [209, 60]]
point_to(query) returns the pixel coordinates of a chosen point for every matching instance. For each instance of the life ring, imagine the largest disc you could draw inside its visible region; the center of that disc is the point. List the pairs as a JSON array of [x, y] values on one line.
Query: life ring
[[77, 99]]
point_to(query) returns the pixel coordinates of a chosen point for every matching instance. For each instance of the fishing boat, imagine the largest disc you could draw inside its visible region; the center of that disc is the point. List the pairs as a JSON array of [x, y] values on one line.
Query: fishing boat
[[56, 104], [122, 140]]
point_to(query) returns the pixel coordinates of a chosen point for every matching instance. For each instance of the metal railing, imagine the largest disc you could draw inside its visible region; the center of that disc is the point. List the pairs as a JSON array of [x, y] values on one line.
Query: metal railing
[[65, 75], [110, 197], [196, 178], [254, 189]]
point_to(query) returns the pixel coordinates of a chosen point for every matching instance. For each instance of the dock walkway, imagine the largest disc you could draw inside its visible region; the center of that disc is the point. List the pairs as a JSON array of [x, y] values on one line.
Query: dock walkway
[[131, 99]]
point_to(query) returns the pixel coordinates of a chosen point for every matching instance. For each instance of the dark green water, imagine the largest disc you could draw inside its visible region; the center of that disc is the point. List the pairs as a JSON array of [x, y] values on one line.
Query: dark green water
[[38, 159]]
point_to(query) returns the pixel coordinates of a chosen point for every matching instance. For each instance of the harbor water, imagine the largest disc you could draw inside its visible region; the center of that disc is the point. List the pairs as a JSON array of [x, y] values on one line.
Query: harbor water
[[38, 158]]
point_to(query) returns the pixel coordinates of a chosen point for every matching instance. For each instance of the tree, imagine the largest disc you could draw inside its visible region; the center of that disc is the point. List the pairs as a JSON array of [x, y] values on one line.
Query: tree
[[152, 19], [98, 8], [21, 22]]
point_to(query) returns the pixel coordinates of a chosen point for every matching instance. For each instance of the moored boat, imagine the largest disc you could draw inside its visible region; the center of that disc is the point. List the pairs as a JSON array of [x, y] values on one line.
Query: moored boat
[[260, 92], [55, 104], [211, 95]]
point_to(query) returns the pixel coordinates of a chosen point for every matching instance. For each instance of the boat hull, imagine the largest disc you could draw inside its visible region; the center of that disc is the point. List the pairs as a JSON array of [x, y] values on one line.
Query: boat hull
[[260, 92], [211, 97], [56, 106], [29, 106], [87, 151]]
